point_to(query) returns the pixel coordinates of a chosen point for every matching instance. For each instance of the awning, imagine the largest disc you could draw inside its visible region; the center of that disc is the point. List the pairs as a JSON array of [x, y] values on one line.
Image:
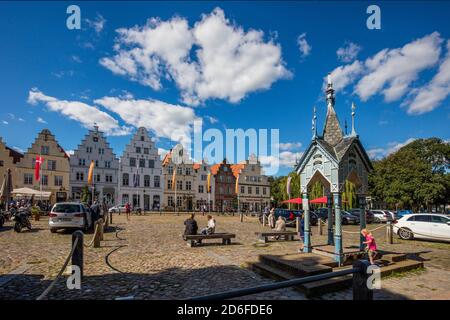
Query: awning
[[28, 192], [319, 200]]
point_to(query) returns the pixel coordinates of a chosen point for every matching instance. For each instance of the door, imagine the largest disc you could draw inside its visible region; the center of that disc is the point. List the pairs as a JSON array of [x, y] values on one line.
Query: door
[[146, 202], [422, 226], [440, 227]]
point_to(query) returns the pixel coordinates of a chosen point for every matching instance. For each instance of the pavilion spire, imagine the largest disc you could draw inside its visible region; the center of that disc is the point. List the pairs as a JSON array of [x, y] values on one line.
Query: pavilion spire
[[332, 132], [353, 120], [314, 124]]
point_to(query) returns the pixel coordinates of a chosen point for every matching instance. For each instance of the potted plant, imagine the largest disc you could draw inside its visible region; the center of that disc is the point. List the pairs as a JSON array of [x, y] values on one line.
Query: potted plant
[[36, 213]]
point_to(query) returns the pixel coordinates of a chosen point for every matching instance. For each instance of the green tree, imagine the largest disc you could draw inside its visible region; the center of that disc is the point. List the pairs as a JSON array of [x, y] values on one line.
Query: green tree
[[349, 195]]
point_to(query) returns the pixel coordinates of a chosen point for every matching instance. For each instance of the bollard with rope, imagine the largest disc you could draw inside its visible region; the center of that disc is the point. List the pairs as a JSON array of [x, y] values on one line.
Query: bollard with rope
[[389, 233], [77, 256], [319, 226], [101, 229]]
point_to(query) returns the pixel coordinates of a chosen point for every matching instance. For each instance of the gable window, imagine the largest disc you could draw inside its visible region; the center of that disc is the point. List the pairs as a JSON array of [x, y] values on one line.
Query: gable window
[[45, 150], [146, 181], [125, 179], [141, 163], [51, 165], [156, 181], [28, 178], [132, 162], [151, 163]]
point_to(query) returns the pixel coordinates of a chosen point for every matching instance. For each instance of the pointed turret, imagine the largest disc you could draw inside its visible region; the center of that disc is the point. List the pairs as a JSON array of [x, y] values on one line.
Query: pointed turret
[[332, 132]]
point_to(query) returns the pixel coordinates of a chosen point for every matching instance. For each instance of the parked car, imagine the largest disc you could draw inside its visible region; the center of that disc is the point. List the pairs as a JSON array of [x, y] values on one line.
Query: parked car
[[69, 215], [369, 215], [423, 226], [400, 213], [382, 215], [291, 215], [322, 213], [348, 218], [117, 209]]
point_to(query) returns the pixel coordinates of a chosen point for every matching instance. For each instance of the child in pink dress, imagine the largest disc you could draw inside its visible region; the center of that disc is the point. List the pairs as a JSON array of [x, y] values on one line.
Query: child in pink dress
[[371, 246]]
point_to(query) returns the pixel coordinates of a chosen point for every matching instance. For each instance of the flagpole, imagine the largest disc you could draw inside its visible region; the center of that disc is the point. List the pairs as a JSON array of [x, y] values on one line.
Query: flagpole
[[175, 186], [93, 185], [40, 177]]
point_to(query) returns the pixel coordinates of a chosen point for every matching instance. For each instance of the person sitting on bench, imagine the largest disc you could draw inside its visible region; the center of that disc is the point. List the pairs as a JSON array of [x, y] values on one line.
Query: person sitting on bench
[[280, 226], [211, 228], [191, 227]]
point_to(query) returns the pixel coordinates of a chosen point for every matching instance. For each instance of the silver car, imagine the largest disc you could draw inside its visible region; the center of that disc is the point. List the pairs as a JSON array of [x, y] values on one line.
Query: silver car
[[69, 215]]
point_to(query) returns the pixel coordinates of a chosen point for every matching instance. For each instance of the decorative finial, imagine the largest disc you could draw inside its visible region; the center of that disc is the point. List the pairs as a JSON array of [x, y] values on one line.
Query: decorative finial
[[353, 119], [314, 126], [330, 84]]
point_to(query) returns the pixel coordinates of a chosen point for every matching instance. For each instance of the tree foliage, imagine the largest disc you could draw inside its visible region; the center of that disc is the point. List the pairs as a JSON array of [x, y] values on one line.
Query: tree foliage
[[415, 177]]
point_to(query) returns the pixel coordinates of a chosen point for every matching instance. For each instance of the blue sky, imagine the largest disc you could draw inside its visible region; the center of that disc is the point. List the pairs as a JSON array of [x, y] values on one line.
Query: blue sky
[[232, 64]]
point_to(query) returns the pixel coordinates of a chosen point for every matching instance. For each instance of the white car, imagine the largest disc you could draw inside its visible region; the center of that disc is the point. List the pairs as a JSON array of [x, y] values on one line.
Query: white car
[[117, 209], [382, 215], [68, 215], [423, 226]]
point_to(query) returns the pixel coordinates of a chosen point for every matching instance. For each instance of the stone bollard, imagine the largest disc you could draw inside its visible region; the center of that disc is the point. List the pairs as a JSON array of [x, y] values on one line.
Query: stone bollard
[[105, 227], [77, 256], [101, 228], [320, 226], [110, 218], [242, 217], [361, 290], [297, 224], [389, 233]]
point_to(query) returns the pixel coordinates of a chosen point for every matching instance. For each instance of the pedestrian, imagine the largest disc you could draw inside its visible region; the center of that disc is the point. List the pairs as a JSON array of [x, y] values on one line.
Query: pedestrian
[[371, 245], [202, 208], [191, 226], [211, 227], [302, 231], [127, 210], [271, 218]]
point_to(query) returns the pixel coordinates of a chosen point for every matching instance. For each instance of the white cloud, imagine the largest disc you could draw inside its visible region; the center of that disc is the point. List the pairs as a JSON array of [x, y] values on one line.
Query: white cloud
[[83, 113], [162, 152], [290, 145], [348, 52], [41, 120], [344, 75], [165, 120], [303, 46], [286, 159], [4, 122], [21, 120], [228, 63], [391, 71], [76, 59], [378, 153], [70, 152], [430, 96], [98, 23]]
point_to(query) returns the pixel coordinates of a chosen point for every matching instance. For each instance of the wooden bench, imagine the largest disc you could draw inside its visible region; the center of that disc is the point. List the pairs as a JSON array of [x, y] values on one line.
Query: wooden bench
[[193, 240], [287, 235]]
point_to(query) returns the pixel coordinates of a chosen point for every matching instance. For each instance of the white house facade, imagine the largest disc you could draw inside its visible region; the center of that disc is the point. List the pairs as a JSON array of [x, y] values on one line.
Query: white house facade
[[94, 147], [140, 172]]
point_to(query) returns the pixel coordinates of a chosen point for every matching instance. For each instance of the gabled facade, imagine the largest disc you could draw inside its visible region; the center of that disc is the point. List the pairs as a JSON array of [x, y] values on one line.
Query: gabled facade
[[225, 185], [55, 169], [202, 197], [140, 173], [94, 147]]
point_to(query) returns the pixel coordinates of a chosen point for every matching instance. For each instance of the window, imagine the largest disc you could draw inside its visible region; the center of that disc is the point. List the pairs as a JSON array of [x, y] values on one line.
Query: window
[[421, 218], [136, 180], [178, 201], [170, 170], [79, 176], [142, 139], [200, 189], [1, 163], [264, 191], [81, 162], [170, 202], [141, 163], [58, 181], [228, 179], [28, 178], [179, 170], [101, 151], [108, 178], [179, 185], [95, 139], [125, 179], [188, 185], [97, 178], [169, 184], [108, 164], [96, 163], [156, 182], [221, 178], [88, 149], [204, 177], [221, 190], [146, 181], [249, 189], [439, 219], [132, 162], [151, 163], [138, 149], [225, 169], [145, 150], [44, 180], [125, 198], [188, 171], [45, 150], [51, 165], [242, 189], [257, 190]]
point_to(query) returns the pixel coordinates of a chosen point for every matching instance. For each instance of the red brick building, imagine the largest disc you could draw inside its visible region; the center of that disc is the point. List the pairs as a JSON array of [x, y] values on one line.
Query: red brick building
[[225, 184]]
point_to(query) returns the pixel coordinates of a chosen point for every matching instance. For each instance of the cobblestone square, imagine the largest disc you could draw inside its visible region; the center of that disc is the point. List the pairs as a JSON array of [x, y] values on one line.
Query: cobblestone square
[[146, 258]]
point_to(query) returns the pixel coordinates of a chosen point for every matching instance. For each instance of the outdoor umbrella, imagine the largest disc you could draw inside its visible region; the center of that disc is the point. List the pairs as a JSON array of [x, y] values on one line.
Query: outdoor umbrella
[[319, 200], [295, 200]]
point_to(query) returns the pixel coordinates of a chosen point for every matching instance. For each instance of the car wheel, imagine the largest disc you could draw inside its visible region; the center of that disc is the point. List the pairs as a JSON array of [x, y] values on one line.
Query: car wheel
[[344, 221], [53, 230], [405, 234]]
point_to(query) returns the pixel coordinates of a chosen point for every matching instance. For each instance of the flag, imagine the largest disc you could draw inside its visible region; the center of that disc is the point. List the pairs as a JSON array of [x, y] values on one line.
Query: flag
[[237, 185], [37, 167], [174, 178], [135, 180], [288, 186], [208, 188], [91, 172]]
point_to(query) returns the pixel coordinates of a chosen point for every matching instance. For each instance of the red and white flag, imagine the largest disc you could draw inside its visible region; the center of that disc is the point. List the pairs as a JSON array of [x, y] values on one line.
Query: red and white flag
[[37, 167]]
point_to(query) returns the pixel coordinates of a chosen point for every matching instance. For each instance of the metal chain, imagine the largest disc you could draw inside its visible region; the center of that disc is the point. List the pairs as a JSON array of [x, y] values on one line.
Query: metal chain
[[50, 287]]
